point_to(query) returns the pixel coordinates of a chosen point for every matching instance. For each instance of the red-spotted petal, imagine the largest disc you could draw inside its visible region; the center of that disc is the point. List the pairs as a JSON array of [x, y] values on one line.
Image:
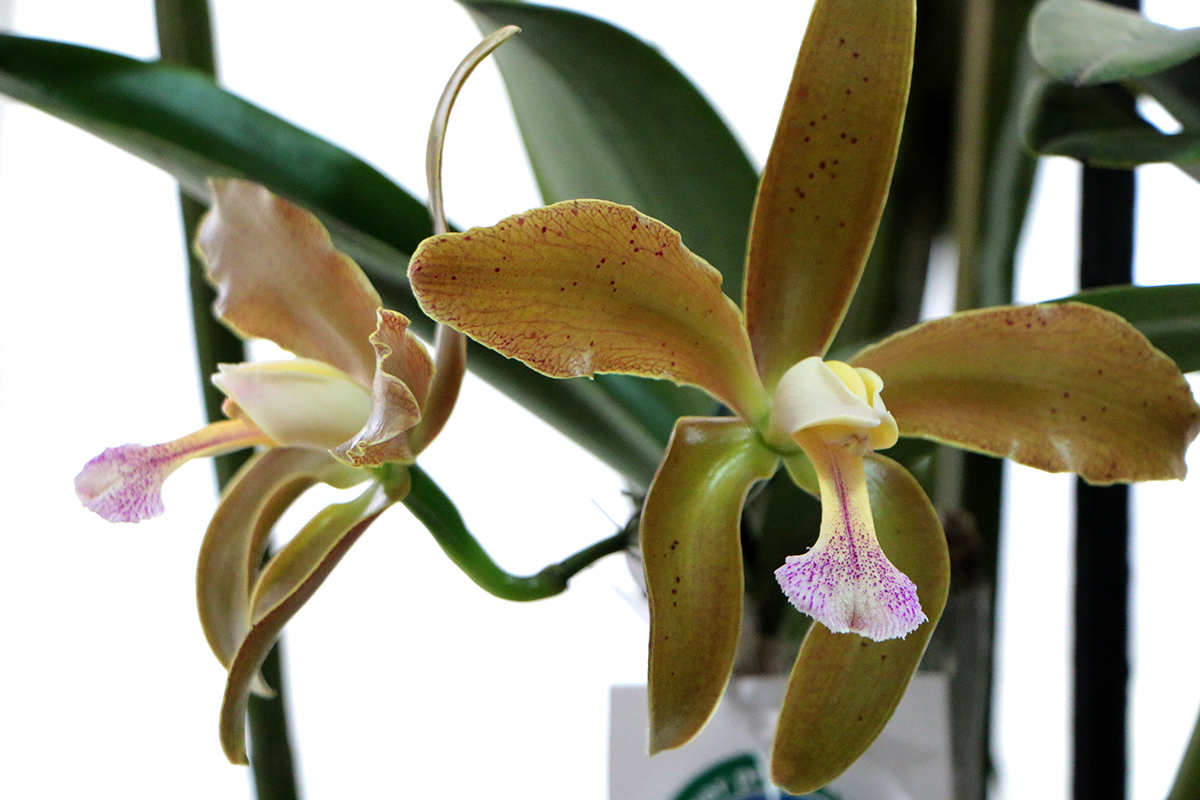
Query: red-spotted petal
[[588, 286]]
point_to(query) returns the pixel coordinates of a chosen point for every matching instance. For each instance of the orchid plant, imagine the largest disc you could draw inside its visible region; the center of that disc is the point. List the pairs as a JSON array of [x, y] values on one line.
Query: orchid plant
[[584, 287]]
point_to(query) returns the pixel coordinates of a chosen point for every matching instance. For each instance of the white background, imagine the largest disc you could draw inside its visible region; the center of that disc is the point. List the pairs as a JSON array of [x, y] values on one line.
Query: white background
[[408, 681]]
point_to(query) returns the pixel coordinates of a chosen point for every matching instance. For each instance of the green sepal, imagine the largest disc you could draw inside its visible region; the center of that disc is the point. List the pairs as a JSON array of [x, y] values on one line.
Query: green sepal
[[692, 553], [286, 583], [844, 688]]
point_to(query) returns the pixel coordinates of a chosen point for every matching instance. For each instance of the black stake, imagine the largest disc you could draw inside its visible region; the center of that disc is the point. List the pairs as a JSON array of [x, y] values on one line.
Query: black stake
[[1102, 528]]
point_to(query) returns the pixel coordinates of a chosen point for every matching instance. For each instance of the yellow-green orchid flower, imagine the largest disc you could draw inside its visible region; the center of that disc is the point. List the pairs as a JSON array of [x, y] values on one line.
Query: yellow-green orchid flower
[[359, 401], [588, 286], [356, 389]]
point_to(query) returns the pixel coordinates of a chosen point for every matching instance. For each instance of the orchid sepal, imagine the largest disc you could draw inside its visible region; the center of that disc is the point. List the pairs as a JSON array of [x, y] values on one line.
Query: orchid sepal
[[285, 584], [826, 179], [695, 581]]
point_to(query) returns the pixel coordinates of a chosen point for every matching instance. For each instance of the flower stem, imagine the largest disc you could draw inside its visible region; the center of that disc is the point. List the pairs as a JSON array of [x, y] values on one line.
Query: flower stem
[[437, 513], [185, 37]]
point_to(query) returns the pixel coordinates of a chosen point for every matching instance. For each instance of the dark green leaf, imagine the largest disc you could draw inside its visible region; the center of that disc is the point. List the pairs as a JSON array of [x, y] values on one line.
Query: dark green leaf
[[605, 116]]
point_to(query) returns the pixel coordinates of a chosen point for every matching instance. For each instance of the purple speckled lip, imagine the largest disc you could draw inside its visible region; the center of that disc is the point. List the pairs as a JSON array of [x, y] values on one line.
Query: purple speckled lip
[[124, 484]]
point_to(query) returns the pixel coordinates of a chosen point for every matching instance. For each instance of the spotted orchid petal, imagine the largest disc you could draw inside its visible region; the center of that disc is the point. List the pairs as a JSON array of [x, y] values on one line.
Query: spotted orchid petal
[[843, 689], [278, 277], [691, 549], [588, 286], [299, 402], [845, 581], [285, 584], [403, 374], [1065, 387], [827, 177], [124, 484]]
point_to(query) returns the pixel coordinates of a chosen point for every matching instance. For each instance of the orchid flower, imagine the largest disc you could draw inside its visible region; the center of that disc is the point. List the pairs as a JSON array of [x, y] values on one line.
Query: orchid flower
[[589, 286], [358, 402]]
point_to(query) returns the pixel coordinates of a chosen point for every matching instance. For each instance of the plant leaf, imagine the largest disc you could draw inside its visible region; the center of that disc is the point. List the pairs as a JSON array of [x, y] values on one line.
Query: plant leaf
[[1086, 42], [844, 688], [1063, 388], [605, 116], [827, 177]]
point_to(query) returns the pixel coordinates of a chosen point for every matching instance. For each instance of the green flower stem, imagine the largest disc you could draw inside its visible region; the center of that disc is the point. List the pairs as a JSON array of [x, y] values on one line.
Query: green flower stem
[[437, 513], [185, 37]]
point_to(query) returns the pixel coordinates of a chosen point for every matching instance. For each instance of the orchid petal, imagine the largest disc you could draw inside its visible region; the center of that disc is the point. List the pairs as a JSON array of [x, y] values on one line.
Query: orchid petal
[[843, 688], [845, 581], [278, 277], [236, 538], [402, 377], [124, 484], [1064, 387], [691, 548], [299, 402], [588, 286], [827, 177], [284, 586]]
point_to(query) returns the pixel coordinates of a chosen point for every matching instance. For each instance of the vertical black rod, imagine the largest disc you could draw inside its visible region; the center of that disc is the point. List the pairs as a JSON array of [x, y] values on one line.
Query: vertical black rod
[[1102, 531]]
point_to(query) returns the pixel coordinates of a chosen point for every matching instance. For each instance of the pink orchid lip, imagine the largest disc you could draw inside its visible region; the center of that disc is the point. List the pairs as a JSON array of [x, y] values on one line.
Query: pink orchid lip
[[124, 484]]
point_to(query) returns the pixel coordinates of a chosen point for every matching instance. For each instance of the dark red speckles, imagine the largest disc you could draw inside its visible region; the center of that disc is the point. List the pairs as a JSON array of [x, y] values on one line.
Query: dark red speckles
[[1099, 372], [1053, 410], [467, 237], [674, 591], [812, 123], [854, 54], [658, 252], [574, 283], [497, 269], [854, 140], [791, 209], [808, 138], [603, 260], [677, 579], [849, 91], [562, 288], [841, 42], [1082, 418], [520, 220], [866, 80], [575, 212], [453, 277], [883, 657], [1008, 321], [841, 224], [824, 117], [812, 175], [633, 227], [836, 162], [821, 165], [631, 241], [843, 134], [543, 229], [1066, 395]]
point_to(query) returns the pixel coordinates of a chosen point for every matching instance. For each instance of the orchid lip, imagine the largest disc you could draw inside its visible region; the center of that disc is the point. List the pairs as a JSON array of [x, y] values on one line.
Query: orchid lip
[[124, 484], [845, 581]]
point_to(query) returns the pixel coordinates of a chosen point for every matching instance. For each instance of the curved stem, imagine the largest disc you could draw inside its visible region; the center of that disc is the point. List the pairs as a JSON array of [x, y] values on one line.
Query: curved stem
[[437, 513]]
